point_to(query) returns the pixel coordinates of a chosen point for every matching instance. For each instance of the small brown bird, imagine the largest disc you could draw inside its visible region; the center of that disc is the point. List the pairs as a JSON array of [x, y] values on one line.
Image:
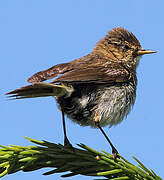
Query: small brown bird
[[96, 90]]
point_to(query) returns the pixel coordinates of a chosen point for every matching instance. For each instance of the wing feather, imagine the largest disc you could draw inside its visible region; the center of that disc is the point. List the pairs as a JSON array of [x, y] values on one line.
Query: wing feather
[[84, 70], [49, 73], [96, 74]]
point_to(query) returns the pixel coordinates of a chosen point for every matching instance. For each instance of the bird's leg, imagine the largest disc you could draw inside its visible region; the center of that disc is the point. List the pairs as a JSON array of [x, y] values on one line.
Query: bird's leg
[[66, 141], [114, 150]]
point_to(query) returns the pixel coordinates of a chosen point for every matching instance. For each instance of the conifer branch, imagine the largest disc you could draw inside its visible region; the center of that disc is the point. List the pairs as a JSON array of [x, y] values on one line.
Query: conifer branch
[[83, 160]]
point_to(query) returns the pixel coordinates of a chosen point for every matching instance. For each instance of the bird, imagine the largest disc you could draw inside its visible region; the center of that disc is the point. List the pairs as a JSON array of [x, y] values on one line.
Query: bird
[[98, 89]]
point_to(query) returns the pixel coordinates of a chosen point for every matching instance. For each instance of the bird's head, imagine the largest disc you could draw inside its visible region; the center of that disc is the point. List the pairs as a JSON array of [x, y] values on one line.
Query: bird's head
[[122, 46]]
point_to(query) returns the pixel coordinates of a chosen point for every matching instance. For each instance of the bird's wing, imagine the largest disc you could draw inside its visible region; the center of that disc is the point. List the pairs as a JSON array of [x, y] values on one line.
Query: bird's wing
[[57, 70], [84, 70], [110, 73], [49, 73]]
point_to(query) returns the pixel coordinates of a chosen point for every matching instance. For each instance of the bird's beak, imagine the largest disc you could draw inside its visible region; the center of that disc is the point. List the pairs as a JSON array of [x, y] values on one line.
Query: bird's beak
[[144, 51]]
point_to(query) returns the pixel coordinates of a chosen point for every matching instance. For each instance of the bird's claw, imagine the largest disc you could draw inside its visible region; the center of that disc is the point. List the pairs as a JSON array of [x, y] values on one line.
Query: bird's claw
[[115, 154]]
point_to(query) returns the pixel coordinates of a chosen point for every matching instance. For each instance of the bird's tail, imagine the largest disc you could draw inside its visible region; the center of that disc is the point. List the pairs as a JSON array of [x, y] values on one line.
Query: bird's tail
[[41, 90]]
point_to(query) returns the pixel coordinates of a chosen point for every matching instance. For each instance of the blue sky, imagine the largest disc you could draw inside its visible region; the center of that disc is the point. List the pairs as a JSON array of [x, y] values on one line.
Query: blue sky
[[37, 34]]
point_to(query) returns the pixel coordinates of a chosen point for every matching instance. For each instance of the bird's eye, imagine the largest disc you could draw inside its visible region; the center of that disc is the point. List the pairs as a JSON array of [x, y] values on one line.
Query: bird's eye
[[125, 47]]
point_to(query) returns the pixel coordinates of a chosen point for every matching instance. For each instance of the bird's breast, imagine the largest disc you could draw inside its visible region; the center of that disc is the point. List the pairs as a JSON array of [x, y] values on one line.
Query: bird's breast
[[111, 102]]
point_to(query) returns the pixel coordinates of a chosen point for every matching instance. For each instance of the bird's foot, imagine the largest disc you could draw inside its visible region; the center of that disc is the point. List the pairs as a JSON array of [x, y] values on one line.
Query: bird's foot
[[115, 153], [67, 143]]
